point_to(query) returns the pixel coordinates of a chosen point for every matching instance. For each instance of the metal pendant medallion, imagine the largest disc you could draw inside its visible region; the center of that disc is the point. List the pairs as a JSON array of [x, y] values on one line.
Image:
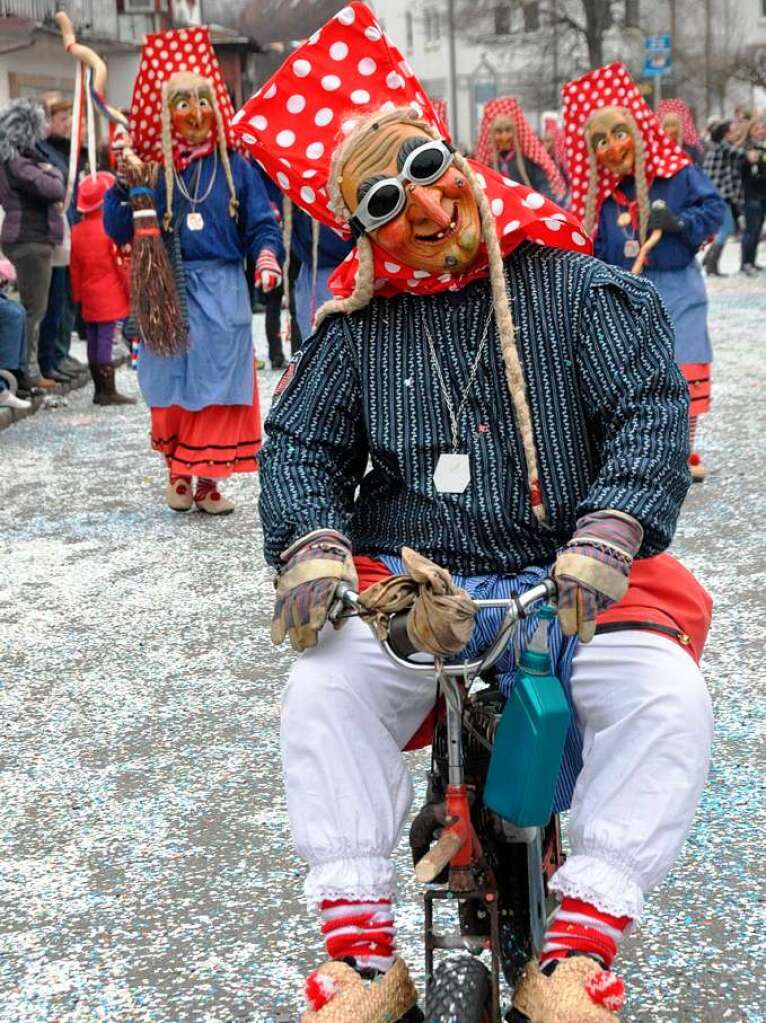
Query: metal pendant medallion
[[453, 474], [194, 221], [632, 248]]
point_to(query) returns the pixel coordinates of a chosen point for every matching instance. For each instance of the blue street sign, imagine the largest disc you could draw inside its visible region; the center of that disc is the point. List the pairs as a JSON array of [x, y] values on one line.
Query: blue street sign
[[658, 55]]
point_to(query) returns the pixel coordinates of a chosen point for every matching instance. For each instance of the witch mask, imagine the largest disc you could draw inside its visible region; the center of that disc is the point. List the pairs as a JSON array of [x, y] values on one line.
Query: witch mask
[[611, 135], [192, 108], [407, 195], [504, 134]]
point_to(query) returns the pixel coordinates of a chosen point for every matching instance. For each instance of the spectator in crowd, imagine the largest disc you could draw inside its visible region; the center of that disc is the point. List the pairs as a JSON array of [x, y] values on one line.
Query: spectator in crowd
[[100, 285], [58, 323], [722, 164], [12, 322], [31, 192], [754, 182]]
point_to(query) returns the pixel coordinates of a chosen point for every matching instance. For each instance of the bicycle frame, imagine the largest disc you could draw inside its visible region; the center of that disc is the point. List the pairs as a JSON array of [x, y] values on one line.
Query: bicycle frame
[[459, 845]]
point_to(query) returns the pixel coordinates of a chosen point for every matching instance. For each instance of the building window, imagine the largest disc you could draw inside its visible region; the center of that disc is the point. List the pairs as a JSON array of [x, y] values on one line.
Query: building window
[[432, 26], [409, 32], [503, 19], [531, 16], [632, 13]]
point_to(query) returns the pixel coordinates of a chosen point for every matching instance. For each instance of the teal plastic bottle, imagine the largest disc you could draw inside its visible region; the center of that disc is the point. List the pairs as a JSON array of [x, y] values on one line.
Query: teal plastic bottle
[[529, 741]]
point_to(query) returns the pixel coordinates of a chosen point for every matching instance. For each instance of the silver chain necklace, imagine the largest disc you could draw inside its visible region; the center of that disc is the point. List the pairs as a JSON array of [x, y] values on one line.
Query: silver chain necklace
[[456, 414], [194, 219]]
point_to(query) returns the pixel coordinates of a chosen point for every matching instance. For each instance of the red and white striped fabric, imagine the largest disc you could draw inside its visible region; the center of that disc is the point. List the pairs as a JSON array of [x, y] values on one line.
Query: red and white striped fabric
[[578, 927], [347, 70], [363, 931], [689, 134], [268, 272], [531, 146], [612, 86]]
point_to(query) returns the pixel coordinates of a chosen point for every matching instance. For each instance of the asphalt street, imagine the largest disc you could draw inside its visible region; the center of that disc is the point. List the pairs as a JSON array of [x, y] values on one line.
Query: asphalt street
[[146, 870]]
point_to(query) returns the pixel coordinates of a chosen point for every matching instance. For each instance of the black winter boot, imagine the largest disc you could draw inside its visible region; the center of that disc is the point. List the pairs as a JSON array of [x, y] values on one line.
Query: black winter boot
[[712, 261], [98, 387], [109, 394]]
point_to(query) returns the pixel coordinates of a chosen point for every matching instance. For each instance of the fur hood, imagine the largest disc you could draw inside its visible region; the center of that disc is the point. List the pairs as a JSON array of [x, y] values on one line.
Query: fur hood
[[22, 125]]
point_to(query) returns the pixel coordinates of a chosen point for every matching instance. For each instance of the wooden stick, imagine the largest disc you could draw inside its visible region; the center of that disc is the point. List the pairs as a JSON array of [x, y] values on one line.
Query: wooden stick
[[646, 248], [436, 859]]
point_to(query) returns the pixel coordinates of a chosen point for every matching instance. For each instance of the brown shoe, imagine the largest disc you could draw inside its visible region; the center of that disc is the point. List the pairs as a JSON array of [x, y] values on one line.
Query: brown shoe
[[45, 383], [179, 495], [108, 394], [337, 994], [577, 991]]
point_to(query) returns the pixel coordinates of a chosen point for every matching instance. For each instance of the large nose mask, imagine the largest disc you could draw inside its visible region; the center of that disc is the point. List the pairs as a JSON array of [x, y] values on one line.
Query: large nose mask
[[611, 139]]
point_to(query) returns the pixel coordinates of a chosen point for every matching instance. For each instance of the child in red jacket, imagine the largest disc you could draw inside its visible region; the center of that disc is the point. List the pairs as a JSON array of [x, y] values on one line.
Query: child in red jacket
[[99, 285]]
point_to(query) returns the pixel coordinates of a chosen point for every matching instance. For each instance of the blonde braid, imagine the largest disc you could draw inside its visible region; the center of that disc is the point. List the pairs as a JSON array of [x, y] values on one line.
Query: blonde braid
[[167, 153], [520, 157], [642, 187], [514, 374], [364, 286], [589, 220], [223, 150]]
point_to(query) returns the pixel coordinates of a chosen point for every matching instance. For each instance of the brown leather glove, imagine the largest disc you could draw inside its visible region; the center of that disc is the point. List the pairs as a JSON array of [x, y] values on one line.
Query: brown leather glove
[[314, 565]]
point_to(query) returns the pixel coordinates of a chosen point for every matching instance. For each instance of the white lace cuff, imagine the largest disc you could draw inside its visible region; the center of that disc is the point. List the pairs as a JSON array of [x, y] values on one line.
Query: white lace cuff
[[610, 887], [361, 878]]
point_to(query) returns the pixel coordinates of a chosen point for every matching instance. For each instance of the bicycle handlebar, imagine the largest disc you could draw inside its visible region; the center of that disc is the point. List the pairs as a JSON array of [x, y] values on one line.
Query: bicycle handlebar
[[518, 607]]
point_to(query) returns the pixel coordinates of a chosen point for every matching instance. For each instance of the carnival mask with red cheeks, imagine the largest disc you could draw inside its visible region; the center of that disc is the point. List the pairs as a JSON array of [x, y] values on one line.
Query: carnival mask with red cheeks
[[433, 226], [192, 114], [504, 134], [611, 136]]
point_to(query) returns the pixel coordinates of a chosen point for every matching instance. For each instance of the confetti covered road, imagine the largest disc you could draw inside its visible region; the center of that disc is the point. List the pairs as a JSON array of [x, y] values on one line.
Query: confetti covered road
[[146, 870]]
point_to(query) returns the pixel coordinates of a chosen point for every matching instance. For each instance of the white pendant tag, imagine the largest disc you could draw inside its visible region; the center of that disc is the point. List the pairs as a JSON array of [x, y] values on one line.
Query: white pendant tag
[[194, 221], [632, 248], [453, 474]]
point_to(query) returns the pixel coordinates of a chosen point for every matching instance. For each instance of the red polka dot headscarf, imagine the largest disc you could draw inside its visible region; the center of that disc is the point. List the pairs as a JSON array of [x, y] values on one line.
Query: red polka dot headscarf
[[507, 107], [612, 86], [346, 71], [689, 135], [164, 54]]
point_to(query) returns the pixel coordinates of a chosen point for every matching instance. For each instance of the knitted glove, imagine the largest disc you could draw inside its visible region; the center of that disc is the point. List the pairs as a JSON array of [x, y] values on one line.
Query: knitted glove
[[592, 570], [268, 272], [314, 565], [662, 217]]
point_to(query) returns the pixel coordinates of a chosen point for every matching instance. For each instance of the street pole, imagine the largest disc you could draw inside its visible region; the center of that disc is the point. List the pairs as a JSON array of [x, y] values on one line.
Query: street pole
[[657, 91], [452, 72]]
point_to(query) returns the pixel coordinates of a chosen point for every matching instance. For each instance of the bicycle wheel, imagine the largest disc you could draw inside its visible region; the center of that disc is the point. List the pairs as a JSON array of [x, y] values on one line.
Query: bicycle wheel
[[461, 992]]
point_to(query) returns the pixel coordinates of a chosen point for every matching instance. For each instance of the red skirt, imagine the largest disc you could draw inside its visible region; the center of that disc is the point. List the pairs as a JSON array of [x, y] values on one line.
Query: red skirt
[[697, 376], [214, 442]]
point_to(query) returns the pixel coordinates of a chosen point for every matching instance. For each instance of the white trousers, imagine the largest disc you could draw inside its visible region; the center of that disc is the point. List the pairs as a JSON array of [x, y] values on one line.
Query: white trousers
[[647, 724]]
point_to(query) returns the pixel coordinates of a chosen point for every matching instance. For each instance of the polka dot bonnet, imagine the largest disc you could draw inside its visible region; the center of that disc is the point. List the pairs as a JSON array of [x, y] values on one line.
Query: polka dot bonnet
[[507, 108], [612, 86], [164, 54], [345, 72], [690, 136]]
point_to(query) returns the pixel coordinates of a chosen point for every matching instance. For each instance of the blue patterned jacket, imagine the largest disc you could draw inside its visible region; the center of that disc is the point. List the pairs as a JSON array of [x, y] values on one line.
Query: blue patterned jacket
[[609, 410]]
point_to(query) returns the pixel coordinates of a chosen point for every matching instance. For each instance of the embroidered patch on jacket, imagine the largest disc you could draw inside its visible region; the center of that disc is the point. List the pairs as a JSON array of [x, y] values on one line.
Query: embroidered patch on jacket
[[287, 377]]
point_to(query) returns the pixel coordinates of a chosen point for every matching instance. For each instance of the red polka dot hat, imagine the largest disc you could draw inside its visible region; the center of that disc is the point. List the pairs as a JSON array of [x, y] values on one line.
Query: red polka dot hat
[[612, 86], [163, 55], [531, 146], [345, 71], [690, 136]]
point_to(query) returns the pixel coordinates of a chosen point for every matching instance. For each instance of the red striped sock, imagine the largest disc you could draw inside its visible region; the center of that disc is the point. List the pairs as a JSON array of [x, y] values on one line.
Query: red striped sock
[[578, 927], [205, 486], [362, 930]]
